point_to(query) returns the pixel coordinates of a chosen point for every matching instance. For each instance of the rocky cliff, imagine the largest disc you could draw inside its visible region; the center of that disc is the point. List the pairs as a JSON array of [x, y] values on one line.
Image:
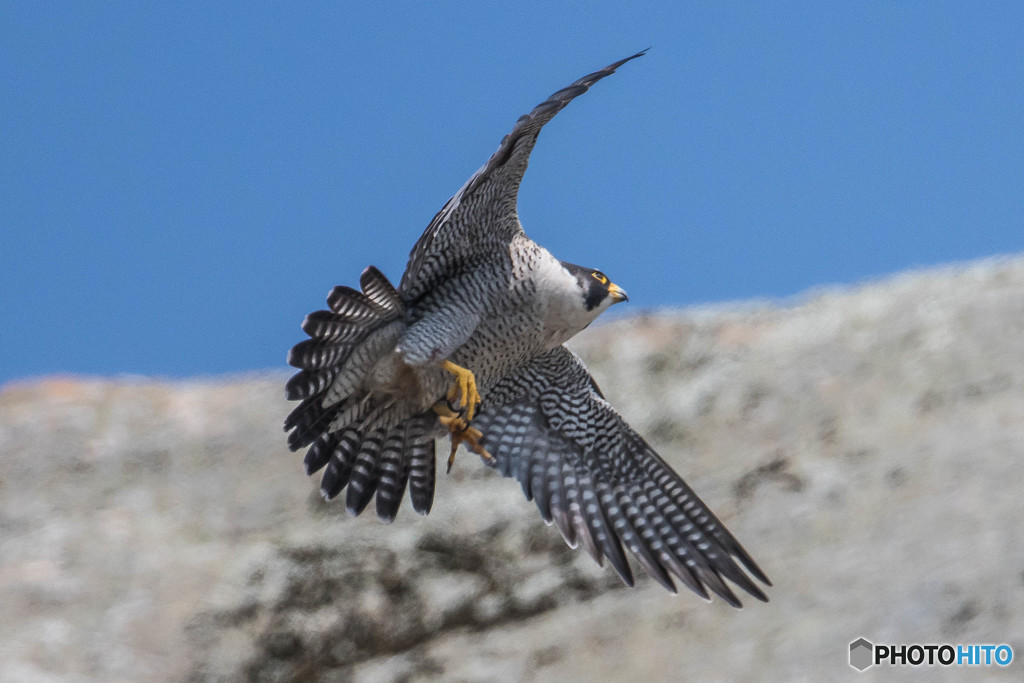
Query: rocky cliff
[[865, 445]]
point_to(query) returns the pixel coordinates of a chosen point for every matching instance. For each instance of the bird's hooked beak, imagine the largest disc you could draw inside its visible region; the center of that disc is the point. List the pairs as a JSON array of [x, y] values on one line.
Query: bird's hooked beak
[[617, 293]]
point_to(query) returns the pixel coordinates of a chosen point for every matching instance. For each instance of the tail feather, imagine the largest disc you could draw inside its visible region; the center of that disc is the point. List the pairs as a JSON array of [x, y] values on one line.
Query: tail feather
[[379, 290], [305, 422], [349, 413], [344, 343], [422, 465], [358, 364], [389, 461], [317, 354], [365, 473], [319, 453], [312, 419], [352, 304], [331, 326], [394, 473], [350, 434], [382, 462], [309, 382], [339, 467]]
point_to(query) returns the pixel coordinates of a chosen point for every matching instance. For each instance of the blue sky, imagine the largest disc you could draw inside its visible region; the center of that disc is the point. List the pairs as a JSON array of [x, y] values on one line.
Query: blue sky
[[180, 185]]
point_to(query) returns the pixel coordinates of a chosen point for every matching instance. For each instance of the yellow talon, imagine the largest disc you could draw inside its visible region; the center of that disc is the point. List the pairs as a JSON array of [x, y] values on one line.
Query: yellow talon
[[460, 432], [464, 389]]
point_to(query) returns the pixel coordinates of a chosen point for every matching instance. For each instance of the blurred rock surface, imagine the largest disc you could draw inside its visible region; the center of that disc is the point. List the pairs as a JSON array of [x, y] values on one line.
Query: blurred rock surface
[[866, 446]]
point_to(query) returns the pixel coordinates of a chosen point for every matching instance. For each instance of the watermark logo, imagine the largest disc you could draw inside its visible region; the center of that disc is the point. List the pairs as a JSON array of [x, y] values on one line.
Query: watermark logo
[[861, 654], [865, 654]]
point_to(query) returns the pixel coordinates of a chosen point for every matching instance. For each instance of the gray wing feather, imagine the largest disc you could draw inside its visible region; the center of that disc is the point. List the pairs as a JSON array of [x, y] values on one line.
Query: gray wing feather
[[602, 484], [481, 216]]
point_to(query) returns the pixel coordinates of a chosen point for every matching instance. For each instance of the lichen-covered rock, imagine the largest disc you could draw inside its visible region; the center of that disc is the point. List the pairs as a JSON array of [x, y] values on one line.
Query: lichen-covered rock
[[864, 445]]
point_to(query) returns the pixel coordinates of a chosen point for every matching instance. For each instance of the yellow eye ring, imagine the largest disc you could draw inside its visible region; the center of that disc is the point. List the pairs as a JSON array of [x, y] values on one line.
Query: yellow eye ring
[[600, 277]]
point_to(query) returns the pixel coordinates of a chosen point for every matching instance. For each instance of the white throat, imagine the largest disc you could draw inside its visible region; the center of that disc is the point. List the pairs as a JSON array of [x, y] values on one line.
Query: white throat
[[562, 302]]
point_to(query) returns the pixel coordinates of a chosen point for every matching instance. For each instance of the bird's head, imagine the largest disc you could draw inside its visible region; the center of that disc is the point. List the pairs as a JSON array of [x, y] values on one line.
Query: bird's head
[[596, 291]]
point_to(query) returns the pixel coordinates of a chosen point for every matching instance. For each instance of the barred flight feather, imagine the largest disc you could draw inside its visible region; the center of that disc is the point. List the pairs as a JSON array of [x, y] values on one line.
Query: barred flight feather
[[394, 473], [319, 453], [352, 304], [365, 475], [572, 485], [601, 484], [380, 291], [308, 383], [334, 327], [422, 463], [339, 467], [560, 504]]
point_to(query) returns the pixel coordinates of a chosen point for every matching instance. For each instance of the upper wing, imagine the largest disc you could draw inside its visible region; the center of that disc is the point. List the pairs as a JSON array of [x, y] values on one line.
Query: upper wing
[[548, 425], [482, 214]]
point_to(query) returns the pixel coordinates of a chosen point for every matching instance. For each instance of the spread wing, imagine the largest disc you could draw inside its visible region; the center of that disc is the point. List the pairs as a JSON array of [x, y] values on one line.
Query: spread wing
[[481, 216], [548, 426]]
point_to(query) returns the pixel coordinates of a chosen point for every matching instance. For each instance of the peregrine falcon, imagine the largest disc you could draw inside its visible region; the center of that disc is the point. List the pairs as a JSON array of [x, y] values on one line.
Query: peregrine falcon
[[470, 345]]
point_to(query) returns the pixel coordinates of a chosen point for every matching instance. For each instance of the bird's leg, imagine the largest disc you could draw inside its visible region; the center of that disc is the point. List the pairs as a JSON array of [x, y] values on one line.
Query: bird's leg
[[460, 431], [464, 389]]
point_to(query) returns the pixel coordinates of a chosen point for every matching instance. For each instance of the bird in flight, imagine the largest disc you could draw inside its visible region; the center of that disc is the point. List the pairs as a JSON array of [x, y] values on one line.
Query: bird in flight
[[470, 345]]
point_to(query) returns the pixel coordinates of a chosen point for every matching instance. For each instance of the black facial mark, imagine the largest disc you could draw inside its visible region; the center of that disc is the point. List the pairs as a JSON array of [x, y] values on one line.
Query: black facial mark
[[596, 293]]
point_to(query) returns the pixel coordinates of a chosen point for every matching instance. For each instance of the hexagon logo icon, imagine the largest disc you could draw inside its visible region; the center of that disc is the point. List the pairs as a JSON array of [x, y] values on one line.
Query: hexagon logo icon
[[861, 654]]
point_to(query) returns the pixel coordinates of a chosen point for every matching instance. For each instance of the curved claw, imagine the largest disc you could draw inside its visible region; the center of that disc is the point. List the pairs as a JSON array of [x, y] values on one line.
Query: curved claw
[[464, 389], [460, 432]]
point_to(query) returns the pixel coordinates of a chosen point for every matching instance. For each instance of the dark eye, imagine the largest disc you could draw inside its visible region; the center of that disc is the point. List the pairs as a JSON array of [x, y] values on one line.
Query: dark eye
[[600, 277]]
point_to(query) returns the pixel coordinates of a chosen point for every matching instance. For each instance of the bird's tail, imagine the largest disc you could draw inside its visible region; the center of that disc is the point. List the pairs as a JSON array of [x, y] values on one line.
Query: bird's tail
[[335, 416]]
